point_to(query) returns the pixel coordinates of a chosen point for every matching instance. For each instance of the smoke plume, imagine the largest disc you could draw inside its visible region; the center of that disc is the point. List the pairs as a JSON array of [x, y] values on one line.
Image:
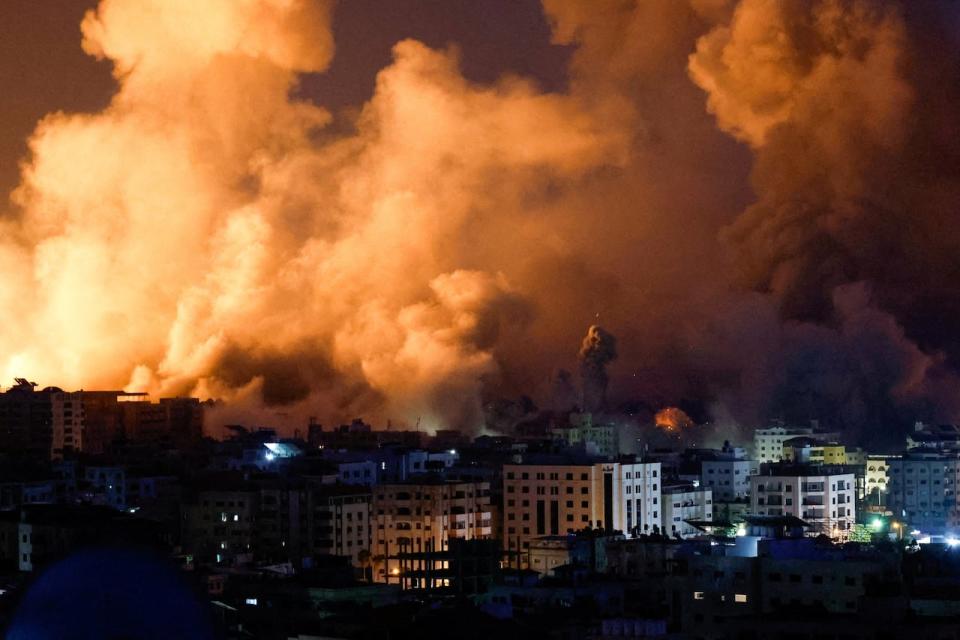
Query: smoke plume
[[599, 348], [761, 196]]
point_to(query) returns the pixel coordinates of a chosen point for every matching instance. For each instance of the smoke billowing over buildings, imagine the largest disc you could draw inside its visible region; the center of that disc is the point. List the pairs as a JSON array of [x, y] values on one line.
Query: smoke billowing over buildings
[[762, 198]]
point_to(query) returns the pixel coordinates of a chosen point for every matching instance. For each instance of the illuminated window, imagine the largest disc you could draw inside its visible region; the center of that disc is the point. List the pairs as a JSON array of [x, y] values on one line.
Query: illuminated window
[[740, 597], [698, 595]]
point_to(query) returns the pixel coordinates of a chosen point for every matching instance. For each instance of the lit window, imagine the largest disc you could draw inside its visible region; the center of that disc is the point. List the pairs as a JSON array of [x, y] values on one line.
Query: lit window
[[740, 597], [698, 595]]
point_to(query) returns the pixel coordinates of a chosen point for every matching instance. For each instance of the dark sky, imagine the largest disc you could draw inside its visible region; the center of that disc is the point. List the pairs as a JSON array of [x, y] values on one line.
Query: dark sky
[[40, 55]]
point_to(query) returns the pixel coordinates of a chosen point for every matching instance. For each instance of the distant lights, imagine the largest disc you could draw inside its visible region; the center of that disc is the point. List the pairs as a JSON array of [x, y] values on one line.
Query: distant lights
[[741, 531], [876, 524], [952, 542], [269, 456]]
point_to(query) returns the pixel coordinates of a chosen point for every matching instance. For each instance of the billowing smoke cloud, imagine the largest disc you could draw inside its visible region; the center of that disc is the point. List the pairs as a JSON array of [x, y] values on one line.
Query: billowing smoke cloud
[[849, 108], [209, 233], [599, 348]]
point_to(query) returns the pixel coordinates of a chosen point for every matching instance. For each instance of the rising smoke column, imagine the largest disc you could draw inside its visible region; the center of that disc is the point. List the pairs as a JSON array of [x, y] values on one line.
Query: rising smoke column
[[599, 348], [850, 110]]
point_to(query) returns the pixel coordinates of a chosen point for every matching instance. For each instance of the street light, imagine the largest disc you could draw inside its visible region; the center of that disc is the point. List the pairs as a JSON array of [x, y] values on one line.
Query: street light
[[899, 527]]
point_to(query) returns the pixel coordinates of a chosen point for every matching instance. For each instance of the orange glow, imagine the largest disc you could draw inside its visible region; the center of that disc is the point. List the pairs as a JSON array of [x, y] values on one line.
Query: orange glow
[[673, 420]]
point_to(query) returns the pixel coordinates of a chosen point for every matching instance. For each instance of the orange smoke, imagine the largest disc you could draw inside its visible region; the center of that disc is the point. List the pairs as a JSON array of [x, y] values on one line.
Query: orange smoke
[[673, 419]]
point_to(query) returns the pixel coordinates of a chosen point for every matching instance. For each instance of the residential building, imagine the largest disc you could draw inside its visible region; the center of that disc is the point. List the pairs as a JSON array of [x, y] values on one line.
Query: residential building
[[768, 443], [581, 432], [341, 521], [424, 515], [823, 496], [923, 489], [926, 436], [682, 504], [585, 549], [67, 423], [728, 478], [218, 526], [808, 450], [26, 428], [876, 478], [554, 499]]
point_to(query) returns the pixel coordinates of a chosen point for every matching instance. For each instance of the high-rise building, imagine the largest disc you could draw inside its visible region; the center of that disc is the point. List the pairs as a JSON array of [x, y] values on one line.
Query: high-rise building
[[555, 499]]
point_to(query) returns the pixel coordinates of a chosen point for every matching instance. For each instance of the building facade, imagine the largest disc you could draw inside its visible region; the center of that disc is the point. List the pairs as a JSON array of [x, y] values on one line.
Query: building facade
[[423, 516], [550, 499], [922, 489], [682, 504], [823, 496], [729, 480], [768, 442]]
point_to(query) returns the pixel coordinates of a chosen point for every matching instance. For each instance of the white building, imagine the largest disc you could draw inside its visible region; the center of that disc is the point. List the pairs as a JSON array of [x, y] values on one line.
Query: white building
[[768, 443], [728, 479], [922, 489], [554, 499], [823, 496], [682, 503], [876, 477]]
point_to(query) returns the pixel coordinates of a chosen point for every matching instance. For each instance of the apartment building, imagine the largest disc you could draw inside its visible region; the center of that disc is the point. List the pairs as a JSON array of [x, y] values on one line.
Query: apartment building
[[922, 489], [728, 479], [768, 443], [341, 522], [876, 477], [67, 423], [554, 499], [424, 515], [595, 438], [683, 503], [823, 496], [219, 525]]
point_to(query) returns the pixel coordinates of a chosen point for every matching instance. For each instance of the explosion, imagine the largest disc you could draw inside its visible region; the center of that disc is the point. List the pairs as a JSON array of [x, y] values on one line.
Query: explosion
[[210, 232], [673, 420]]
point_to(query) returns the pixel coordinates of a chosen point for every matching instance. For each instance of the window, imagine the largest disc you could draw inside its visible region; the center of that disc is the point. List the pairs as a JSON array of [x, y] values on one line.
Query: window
[[740, 597], [698, 595]]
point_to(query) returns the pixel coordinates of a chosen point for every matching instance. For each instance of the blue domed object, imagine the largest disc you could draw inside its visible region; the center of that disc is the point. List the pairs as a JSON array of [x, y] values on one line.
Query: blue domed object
[[106, 594]]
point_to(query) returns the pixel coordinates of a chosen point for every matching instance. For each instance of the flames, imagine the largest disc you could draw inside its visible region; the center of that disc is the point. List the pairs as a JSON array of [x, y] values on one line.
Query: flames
[[673, 420]]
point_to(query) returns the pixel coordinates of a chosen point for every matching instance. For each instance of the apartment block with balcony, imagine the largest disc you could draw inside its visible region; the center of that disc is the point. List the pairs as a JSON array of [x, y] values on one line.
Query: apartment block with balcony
[[823, 496], [682, 504], [423, 516], [555, 499]]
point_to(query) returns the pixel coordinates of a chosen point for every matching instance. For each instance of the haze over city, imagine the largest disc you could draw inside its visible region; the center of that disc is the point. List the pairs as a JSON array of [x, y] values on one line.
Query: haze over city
[[410, 210]]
